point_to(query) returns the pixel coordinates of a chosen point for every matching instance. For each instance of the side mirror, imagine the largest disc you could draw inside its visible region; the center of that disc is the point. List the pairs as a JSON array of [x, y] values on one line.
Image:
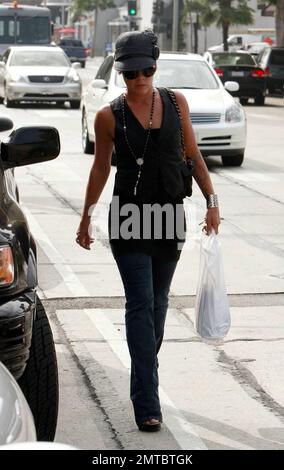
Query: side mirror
[[76, 65], [231, 86], [2, 64], [5, 124], [28, 145], [98, 83]]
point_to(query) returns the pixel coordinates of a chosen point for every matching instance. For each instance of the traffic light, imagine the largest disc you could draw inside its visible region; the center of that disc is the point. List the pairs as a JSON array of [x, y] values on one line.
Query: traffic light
[[157, 11], [158, 8], [132, 8]]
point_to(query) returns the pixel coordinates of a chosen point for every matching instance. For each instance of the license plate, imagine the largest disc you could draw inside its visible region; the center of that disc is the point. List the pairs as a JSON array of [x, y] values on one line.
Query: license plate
[[238, 74]]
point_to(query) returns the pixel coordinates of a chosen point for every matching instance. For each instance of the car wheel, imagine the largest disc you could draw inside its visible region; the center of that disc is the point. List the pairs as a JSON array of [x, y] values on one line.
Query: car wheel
[[234, 160], [8, 103], [244, 101], [259, 100], [75, 104], [39, 381], [88, 146]]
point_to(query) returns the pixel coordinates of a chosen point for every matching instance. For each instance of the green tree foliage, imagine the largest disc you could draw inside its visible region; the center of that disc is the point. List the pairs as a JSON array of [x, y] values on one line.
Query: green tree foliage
[[80, 6], [222, 12]]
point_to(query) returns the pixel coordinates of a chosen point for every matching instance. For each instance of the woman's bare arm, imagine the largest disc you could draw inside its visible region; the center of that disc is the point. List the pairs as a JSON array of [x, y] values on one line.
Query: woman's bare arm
[[200, 174], [99, 173]]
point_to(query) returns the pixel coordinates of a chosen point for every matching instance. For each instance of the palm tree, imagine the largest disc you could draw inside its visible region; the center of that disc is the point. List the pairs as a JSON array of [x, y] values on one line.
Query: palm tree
[[80, 6], [279, 19], [222, 12]]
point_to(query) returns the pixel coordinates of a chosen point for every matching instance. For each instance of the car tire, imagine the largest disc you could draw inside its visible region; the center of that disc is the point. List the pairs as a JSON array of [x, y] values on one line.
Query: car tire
[[88, 146], [75, 104], [234, 160], [8, 103], [39, 381], [243, 101], [259, 100]]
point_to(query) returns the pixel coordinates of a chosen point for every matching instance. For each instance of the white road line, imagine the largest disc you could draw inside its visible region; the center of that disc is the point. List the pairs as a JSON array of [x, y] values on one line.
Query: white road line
[[181, 429], [70, 279]]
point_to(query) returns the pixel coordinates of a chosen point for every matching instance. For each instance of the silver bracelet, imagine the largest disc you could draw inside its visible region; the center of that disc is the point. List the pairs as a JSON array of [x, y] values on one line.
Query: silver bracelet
[[212, 201]]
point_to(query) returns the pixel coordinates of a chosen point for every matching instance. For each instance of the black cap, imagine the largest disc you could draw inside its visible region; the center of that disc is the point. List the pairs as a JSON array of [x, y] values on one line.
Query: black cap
[[135, 50]]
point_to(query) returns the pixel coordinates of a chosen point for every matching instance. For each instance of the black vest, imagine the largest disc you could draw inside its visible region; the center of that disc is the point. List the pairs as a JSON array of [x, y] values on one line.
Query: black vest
[[161, 171]]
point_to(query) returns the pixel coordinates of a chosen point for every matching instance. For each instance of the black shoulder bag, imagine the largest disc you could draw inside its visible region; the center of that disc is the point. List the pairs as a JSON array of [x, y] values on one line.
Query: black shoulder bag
[[187, 167]]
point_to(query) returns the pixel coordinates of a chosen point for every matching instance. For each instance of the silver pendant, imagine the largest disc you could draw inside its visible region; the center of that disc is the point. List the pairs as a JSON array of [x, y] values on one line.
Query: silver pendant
[[140, 161]]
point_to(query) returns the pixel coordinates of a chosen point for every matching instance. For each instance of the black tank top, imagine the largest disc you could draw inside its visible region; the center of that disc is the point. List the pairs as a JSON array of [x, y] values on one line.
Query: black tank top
[[159, 184]]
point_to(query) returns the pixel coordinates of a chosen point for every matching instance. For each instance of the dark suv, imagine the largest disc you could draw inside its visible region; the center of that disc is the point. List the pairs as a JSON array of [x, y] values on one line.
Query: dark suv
[[26, 341], [271, 60]]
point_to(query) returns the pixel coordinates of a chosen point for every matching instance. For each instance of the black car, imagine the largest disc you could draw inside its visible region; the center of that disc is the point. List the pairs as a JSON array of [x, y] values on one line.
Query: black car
[[26, 341], [271, 60], [241, 67]]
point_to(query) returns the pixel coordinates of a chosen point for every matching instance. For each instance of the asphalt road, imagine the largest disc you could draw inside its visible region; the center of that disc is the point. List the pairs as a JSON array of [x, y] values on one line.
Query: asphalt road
[[215, 396]]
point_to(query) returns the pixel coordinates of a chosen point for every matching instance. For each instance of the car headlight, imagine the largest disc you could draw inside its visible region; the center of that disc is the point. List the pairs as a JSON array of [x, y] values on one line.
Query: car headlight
[[6, 266], [234, 113], [73, 76], [16, 77]]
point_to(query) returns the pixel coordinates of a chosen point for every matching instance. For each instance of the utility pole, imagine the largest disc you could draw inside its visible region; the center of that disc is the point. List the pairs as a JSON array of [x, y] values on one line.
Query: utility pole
[[175, 25]]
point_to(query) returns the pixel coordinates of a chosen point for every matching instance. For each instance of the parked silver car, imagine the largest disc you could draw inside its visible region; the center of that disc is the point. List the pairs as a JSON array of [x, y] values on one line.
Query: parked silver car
[[35, 73], [16, 420]]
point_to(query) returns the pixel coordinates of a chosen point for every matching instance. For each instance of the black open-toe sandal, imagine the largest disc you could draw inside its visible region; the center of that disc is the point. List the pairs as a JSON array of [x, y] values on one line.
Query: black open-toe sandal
[[147, 427]]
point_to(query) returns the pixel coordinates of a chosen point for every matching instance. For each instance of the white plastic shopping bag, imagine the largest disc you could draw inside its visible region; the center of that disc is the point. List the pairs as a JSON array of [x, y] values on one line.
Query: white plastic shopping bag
[[212, 307]]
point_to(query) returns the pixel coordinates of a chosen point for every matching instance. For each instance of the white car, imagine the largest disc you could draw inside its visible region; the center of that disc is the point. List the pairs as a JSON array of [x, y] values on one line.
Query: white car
[[218, 120], [37, 73]]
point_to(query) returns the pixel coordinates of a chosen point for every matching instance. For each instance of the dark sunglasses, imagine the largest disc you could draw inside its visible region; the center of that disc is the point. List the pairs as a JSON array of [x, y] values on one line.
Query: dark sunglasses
[[132, 74]]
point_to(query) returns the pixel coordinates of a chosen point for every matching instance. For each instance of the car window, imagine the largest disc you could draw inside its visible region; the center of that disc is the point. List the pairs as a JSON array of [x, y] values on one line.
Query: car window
[[71, 42], [233, 59], [277, 57], [181, 74], [5, 56], [39, 58], [105, 69]]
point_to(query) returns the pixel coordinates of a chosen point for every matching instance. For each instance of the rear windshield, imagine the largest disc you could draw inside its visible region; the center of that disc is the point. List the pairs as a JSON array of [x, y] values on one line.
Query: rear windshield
[[277, 57], [233, 59], [71, 42]]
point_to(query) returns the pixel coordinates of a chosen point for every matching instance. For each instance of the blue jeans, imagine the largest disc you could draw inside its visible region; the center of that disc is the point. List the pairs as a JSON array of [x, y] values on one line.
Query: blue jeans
[[146, 283]]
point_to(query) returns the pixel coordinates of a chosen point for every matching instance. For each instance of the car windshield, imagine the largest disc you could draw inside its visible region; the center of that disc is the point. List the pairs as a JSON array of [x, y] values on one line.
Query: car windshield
[[181, 74], [233, 59], [38, 58]]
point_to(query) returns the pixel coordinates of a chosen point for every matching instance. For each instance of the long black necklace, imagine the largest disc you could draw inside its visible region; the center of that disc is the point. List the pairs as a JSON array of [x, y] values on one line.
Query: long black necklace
[[139, 160]]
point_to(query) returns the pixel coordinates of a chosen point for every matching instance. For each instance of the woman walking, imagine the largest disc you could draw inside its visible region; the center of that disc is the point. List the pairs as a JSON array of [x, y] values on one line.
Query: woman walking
[[143, 125]]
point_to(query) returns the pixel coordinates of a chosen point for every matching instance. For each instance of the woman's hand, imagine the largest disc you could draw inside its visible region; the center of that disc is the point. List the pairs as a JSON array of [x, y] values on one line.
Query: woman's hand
[[212, 220], [84, 238]]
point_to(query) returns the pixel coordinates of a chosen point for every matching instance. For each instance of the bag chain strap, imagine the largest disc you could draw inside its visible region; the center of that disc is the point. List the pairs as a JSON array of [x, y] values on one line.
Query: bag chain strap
[[174, 101]]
